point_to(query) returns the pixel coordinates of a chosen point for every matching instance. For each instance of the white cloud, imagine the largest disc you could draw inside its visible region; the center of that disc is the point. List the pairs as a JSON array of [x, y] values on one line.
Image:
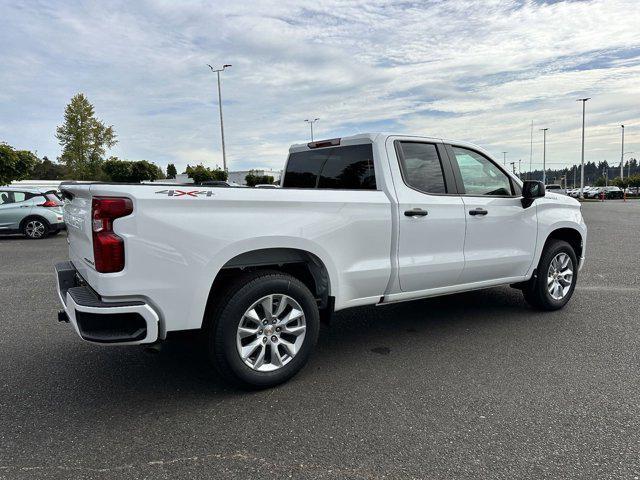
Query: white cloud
[[476, 70]]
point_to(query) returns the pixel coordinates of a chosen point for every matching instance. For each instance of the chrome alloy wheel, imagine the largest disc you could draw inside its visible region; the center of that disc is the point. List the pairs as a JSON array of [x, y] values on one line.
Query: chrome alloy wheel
[[271, 332], [560, 276], [35, 229]]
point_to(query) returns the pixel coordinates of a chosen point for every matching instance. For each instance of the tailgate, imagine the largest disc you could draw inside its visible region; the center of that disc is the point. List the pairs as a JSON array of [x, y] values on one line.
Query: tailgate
[[77, 217]]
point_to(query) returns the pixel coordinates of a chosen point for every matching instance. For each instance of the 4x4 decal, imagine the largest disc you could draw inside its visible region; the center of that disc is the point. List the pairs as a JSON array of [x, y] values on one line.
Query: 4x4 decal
[[190, 193]]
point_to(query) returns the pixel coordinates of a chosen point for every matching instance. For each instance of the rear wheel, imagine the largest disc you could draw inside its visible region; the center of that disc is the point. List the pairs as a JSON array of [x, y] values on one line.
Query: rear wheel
[[264, 329], [556, 277], [35, 228]]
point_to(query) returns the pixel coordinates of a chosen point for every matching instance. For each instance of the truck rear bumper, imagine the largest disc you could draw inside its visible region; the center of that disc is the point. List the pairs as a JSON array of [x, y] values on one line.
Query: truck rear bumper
[[97, 321]]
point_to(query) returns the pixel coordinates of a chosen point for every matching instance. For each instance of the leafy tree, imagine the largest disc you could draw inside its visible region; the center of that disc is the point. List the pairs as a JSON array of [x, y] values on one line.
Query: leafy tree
[[15, 164], [622, 183], [48, 170], [84, 139], [252, 179], [600, 182], [117, 170], [131, 171], [634, 181], [200, 173], [171, 171], [144, 170]]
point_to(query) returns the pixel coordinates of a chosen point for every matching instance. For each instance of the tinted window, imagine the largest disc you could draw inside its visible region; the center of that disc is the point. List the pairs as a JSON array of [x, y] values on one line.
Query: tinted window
[[480, 176], [349, 168], [421, 167], [14, 197]]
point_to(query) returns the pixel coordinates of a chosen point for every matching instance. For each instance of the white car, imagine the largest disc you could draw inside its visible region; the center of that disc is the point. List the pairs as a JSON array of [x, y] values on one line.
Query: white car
[[370, 219]]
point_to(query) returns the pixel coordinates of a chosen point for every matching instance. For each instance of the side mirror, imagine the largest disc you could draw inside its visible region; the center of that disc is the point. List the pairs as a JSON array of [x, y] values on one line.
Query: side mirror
[[531, 189]]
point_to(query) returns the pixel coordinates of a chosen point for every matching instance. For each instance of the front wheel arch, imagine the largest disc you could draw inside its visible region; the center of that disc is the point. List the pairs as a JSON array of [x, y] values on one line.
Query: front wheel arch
[[570, 235]]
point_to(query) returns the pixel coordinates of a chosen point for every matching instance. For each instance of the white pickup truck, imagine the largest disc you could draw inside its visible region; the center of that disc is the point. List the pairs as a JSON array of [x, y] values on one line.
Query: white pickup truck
[[363, 220]]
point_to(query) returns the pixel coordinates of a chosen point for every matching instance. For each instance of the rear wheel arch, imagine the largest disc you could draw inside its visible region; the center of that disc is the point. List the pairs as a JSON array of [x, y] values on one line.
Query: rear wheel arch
[[301, 264]]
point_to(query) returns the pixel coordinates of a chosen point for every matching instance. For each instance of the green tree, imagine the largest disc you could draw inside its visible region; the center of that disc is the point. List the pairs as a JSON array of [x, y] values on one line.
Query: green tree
[[252, 179], [634, 181], [200, 173], [84, 139], [117, 170], [622, 183], [600, 182], [131, 171], [15, 164], [171, 171], [128, 171], [48, 170]]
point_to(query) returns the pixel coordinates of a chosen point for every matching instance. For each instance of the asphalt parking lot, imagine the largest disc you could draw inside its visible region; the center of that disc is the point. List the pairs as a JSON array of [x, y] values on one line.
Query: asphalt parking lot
[[469, 386]]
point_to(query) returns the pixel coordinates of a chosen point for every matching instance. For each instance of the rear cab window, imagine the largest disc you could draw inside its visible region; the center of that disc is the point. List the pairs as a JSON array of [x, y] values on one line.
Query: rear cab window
[[348, 167]]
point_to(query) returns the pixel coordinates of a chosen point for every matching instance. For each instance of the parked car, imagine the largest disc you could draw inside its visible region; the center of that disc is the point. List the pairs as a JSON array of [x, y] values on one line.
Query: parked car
[[34, 212], [610, 192], [555, 188], [370, 219]]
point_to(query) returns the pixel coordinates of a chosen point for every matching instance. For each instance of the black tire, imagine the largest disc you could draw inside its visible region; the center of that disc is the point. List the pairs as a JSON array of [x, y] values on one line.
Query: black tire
[[536, 292], [227, 315], [27, 230]]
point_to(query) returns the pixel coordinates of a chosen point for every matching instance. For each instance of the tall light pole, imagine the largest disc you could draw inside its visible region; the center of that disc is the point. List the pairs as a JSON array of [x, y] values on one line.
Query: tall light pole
[[224, 154], [622, 156], [584, 101], [531, 152], [311, 122], [544, 155], [504, 158]]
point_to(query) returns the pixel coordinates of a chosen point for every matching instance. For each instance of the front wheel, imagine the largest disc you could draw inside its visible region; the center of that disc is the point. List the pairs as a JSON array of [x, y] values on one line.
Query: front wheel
[[264, 329], [556, 277]]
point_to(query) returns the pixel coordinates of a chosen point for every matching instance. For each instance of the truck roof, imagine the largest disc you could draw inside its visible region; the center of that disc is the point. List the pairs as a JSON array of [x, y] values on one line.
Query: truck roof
[[373, 136]]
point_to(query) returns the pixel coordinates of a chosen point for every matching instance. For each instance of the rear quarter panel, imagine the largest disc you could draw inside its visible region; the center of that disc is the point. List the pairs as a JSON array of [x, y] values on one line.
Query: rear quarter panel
[[175, 245]]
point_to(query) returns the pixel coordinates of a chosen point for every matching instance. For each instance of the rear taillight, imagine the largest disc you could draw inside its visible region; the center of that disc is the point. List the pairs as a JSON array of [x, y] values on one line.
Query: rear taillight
[[108, 248], [49, 203]]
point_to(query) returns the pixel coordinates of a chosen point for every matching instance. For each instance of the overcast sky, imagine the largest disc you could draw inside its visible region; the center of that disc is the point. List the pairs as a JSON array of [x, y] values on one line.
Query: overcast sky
[[474, 70]]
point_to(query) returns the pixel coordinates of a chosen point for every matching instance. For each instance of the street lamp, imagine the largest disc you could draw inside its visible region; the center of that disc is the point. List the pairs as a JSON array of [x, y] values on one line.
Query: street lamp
[[584, 101], [622, 156], [311, 122], [504, 158], [544, 155], [217, 71]]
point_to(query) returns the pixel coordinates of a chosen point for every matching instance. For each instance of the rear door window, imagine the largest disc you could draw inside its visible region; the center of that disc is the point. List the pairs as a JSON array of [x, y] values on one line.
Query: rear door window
[[421, 167], [347, 168]]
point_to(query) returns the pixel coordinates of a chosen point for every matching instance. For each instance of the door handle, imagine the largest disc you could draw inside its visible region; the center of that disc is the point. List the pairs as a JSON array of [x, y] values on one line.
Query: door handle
[[416, 212], [478, 211]]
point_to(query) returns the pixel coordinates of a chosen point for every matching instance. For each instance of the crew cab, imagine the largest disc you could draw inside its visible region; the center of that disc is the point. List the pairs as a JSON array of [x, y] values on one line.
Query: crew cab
[[369, 219]]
